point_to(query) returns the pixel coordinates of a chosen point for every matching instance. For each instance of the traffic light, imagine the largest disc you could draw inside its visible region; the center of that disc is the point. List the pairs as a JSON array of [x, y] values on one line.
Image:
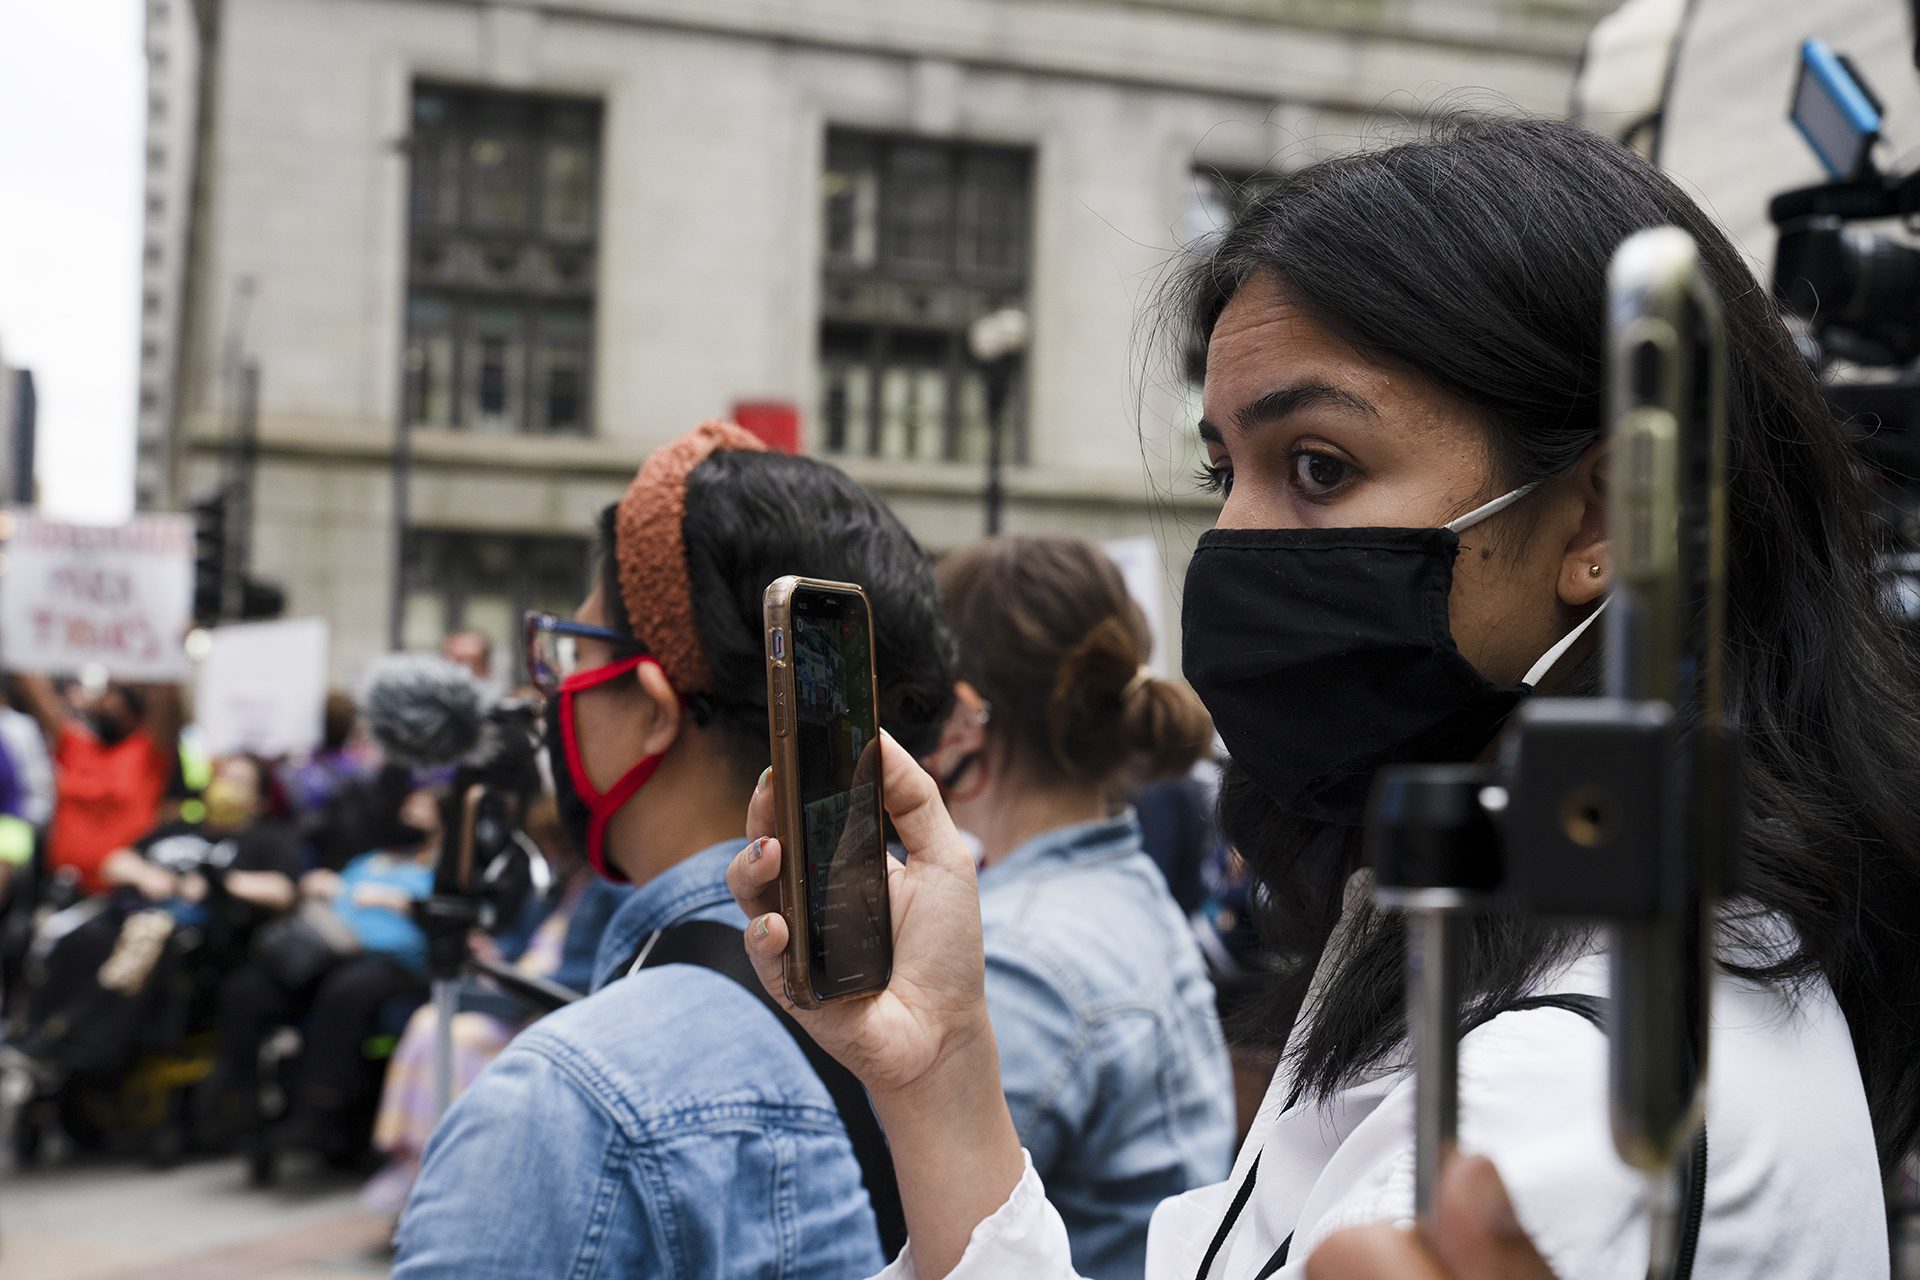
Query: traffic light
[[261, 599], [210, 552]]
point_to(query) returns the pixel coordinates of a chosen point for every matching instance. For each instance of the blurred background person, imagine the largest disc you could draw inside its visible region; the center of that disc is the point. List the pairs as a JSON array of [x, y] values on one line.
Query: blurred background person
[[26, 749], [1110, 1047], [332, 790], [473, 650], [116, 751], [370, 961], [242, 841]]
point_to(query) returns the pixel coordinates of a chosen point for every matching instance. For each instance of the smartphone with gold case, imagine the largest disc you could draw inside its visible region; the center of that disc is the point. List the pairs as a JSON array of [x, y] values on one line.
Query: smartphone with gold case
[[1667, 468], [823, 727]]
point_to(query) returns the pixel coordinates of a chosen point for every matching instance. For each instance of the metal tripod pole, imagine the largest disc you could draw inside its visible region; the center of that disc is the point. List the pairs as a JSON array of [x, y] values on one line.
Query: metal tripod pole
[[445, 996]]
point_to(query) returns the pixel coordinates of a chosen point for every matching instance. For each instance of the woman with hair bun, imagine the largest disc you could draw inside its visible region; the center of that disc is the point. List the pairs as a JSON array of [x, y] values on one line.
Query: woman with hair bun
[[1110, 1048]]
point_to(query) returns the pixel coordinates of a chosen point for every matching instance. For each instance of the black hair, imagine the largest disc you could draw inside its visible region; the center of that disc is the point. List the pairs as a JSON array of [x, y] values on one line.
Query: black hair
[[752, 517], [1477, 256]]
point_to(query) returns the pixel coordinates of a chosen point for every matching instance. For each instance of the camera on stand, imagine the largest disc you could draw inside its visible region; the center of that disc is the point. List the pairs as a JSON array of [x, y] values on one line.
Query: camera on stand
[[1857, 291], [427, 711]]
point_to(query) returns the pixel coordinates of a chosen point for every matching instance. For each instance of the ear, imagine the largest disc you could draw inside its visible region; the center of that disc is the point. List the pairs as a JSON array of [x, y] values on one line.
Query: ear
[[964, 734], [1586, 567], [665, 715]]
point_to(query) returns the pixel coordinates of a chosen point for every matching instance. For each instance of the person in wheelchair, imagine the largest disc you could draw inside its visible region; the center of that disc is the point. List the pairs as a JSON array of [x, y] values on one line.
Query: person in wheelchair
[[240, 845], [351, 961], [128, 981]]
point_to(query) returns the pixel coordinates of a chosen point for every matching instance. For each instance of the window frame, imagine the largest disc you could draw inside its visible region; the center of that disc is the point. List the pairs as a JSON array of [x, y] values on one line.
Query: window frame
[[546, 278], [868, 300]]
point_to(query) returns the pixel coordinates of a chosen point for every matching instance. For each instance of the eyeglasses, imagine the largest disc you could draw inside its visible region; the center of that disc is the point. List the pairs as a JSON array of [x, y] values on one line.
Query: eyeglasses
[[553, 649]]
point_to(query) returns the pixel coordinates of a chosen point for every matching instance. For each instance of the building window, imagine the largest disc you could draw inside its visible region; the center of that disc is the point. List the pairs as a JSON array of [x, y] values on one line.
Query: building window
[[1220, 196], [503, 231], [485, 581], [921, 238]]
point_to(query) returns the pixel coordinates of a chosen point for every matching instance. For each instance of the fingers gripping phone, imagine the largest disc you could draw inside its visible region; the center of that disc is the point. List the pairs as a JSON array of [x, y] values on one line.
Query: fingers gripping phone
[[825, 738]]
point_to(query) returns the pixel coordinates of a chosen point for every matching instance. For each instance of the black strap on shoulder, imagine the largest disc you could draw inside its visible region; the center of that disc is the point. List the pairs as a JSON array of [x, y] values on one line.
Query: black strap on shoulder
[[708, 944], [1593, 1009], [1234, 1210]]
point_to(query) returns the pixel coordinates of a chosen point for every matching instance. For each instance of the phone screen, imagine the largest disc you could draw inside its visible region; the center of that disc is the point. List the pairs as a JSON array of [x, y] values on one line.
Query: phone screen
[[839, 759]]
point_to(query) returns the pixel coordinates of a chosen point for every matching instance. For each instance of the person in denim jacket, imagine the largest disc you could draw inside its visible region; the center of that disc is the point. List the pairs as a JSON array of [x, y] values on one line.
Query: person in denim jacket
[[1110, 1047], [668, 1125]]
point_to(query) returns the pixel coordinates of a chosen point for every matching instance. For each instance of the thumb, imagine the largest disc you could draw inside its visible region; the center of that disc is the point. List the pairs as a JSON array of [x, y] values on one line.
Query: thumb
[[1476, 1232]]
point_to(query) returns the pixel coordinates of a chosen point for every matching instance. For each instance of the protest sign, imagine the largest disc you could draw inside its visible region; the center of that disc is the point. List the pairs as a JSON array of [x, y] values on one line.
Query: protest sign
[[77, 595], [263, 688]]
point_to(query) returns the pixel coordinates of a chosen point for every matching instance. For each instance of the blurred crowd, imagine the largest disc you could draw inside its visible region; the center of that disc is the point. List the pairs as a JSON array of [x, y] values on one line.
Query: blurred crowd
[[223, 953], [227, 955]]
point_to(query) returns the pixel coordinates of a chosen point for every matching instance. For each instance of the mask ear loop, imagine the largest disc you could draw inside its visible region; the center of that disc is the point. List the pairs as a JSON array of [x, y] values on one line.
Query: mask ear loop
[[1494, 508], [1566, 642]]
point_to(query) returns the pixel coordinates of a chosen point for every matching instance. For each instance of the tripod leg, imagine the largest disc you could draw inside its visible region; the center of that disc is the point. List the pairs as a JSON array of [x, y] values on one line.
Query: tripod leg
[[444, 1004]]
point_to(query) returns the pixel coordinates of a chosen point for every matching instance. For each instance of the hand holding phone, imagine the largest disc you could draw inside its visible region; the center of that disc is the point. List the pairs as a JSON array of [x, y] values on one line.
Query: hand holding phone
[[923, 1046]]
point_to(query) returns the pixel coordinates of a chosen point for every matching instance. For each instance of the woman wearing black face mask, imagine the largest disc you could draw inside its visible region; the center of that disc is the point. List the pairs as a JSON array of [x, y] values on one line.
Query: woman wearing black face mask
[[1404, 355]]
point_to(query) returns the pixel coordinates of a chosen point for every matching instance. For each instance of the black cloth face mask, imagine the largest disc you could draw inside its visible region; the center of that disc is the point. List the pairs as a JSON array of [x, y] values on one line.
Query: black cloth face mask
[[1324, 654]]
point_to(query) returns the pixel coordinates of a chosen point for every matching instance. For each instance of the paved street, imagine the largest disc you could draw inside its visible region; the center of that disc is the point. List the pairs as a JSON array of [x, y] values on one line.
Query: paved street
[[115, 1219]]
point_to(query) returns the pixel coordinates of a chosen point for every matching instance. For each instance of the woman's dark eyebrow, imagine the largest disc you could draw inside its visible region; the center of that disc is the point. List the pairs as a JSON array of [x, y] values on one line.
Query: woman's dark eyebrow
[[1285, 401]]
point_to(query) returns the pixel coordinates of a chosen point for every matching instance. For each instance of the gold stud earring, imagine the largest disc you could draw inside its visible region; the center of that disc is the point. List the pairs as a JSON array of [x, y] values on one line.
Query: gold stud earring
[[1593, 571]]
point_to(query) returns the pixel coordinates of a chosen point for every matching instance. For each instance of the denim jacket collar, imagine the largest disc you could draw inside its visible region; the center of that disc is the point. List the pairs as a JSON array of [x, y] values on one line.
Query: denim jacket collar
[[696, 886], [1099, 838]]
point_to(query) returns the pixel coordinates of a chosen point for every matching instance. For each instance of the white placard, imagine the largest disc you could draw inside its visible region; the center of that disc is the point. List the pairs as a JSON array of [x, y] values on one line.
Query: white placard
[[76, 595], [1145, 574], [263, 688]]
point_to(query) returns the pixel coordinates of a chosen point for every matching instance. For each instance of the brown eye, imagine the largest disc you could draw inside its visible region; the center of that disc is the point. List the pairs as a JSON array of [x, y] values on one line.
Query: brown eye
[[1212, 479], [1319, 474]]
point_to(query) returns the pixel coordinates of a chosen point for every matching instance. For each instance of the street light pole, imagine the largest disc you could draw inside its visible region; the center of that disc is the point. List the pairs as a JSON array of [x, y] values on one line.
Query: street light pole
[[996, 341], [402, 147]]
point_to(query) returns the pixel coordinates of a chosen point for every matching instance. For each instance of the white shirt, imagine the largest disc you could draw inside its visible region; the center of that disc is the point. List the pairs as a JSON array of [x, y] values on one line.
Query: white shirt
[[1793, 1184]]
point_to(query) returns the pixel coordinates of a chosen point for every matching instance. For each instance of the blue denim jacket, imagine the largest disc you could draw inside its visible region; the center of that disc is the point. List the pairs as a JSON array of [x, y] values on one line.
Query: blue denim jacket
[[1110, 1046], [666, 1126]]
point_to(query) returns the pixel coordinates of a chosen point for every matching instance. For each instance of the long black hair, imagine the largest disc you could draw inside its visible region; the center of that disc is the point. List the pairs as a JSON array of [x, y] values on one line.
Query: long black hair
[[1477, 256]]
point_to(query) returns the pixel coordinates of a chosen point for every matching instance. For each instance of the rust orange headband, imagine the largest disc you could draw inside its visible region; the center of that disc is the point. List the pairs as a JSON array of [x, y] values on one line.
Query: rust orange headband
[[651, 548]]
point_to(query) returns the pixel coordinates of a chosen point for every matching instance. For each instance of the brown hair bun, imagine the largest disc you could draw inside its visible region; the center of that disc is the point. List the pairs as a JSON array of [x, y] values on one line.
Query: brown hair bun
[[1053, 642]]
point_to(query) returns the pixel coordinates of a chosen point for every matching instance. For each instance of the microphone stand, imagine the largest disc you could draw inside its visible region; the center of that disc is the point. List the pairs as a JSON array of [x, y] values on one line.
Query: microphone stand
[[450, 915], [447, 917]]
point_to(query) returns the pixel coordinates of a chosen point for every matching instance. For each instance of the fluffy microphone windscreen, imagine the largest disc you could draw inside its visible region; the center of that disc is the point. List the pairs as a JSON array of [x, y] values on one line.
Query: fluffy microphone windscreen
[[421, 709]]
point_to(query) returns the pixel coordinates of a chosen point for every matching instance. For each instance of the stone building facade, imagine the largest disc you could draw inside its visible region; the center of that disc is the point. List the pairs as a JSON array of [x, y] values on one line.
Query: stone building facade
[[550, 234]]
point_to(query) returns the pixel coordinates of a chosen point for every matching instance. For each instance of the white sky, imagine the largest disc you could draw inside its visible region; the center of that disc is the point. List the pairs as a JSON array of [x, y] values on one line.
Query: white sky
[[72, 88]]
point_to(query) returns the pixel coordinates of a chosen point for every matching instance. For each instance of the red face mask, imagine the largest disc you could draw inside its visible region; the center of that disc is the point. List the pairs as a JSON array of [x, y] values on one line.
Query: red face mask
[[585, 811]]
